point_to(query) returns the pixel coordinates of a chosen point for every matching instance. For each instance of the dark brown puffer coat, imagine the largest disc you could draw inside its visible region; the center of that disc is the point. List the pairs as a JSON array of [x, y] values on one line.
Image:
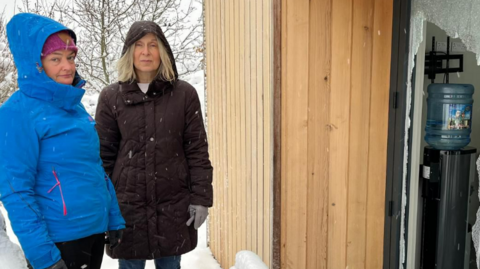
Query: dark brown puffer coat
[[155, 150]]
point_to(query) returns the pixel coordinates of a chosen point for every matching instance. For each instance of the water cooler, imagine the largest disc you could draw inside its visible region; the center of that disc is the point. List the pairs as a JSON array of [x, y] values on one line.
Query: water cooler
[[448, 190], [449, 185], [448, 173]]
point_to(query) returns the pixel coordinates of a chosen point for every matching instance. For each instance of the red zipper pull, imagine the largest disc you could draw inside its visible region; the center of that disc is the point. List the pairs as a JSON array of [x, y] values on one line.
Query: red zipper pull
[[61, 192]]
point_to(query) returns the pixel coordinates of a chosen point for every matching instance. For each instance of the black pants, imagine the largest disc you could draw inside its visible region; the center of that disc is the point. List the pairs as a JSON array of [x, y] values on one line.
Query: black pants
[[85, 251]]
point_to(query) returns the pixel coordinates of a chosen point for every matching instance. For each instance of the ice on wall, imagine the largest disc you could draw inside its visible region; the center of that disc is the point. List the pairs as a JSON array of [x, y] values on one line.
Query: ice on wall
[[459, 19], [415, 40]]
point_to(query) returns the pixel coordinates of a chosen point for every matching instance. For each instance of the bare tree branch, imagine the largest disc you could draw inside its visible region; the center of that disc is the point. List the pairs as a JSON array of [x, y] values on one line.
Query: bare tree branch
[[8, 71], [101, 27]]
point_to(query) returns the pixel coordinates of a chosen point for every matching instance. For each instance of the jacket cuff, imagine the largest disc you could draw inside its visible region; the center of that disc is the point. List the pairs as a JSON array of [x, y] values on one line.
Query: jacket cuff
[[202, 195], [116, 227], [47, 260], [201, 200], [118, 223]]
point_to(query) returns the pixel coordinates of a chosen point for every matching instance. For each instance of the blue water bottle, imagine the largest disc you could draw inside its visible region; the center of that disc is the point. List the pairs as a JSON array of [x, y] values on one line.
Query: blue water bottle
[[449, 116]]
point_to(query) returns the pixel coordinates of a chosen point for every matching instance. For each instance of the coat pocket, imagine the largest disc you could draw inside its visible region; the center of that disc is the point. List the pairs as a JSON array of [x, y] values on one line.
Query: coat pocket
[[60, 188]]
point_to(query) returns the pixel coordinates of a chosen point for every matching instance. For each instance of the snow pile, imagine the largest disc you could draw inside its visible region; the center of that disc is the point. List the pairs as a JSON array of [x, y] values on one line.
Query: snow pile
[[11, 255], [199, 258], [248, 260]]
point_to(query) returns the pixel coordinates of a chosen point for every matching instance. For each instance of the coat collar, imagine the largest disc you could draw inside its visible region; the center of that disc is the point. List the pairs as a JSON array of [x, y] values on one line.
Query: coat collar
[[132, 94]]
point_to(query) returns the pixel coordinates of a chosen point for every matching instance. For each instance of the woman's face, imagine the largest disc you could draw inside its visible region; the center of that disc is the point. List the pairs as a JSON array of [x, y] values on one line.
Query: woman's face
[[60, 66], [146, 56]]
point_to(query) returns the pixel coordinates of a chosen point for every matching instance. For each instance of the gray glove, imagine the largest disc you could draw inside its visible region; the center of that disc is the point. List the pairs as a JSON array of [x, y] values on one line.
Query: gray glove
[[199, 213], [59, 265]]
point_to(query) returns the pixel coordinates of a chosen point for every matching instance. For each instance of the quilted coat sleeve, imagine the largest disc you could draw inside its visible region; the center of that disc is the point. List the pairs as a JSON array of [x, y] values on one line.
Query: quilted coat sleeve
[[19, 152], [196, 151], [108, 132], [116, 221]]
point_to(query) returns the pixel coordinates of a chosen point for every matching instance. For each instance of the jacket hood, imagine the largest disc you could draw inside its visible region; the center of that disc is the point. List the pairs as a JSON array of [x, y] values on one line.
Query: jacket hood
[[139, 29], [26, 35]]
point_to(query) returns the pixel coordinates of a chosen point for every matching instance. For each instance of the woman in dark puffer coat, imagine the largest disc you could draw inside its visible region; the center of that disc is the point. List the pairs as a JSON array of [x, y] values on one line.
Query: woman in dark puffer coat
[[154, 147]]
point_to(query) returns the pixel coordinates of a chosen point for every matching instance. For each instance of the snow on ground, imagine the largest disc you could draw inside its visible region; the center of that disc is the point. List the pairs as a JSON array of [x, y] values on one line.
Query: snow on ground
[[11, 255], [199, 258], [10, 233]]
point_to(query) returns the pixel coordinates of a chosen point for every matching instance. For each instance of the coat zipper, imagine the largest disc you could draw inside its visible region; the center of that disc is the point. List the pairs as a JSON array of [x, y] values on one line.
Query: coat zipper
[[61, 192]]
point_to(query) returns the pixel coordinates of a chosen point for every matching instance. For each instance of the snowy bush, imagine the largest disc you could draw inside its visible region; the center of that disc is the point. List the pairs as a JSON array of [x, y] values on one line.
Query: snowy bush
[[8, 73]]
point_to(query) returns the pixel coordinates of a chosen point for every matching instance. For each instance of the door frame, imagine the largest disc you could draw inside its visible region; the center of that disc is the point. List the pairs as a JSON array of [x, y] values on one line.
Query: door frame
[[396, 132]]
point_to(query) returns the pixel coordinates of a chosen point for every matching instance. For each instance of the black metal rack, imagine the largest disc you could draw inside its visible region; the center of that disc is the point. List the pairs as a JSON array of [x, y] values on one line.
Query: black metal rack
[[434, 62]]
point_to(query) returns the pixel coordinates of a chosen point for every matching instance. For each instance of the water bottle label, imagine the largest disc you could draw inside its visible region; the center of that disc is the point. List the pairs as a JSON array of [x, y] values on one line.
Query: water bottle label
[[426, 172], [459, 116]]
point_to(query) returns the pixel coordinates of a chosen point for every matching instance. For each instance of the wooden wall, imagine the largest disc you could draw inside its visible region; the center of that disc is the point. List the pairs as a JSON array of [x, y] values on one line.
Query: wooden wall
[[238, 37], [335, 77], [331, 93]]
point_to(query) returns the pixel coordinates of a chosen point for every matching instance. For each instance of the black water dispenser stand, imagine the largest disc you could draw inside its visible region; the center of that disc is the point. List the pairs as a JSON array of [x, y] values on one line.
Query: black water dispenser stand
[[448, 177]]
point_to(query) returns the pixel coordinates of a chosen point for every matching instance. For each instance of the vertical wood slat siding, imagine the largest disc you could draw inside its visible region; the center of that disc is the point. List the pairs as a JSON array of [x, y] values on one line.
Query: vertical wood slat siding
[[235, 70], [348, 44], [334, 117], [294, 146], [229, 30], [259, 137], [248, 123], [223, 123], [340, 129], [238, 42], [267, 99], [241, 93], [361, 66], [253, 115], [318, 118], [382, 40]]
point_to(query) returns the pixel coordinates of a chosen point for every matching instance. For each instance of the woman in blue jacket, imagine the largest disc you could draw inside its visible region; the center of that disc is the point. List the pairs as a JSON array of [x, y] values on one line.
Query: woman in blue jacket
[[58, 198]]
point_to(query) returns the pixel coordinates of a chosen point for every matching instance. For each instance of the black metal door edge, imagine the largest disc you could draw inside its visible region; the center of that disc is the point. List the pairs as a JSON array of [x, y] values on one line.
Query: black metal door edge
[[396, 132]]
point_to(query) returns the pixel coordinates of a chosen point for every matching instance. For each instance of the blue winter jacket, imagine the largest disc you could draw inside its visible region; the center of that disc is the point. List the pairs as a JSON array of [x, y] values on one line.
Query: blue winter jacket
[[51, 178]]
